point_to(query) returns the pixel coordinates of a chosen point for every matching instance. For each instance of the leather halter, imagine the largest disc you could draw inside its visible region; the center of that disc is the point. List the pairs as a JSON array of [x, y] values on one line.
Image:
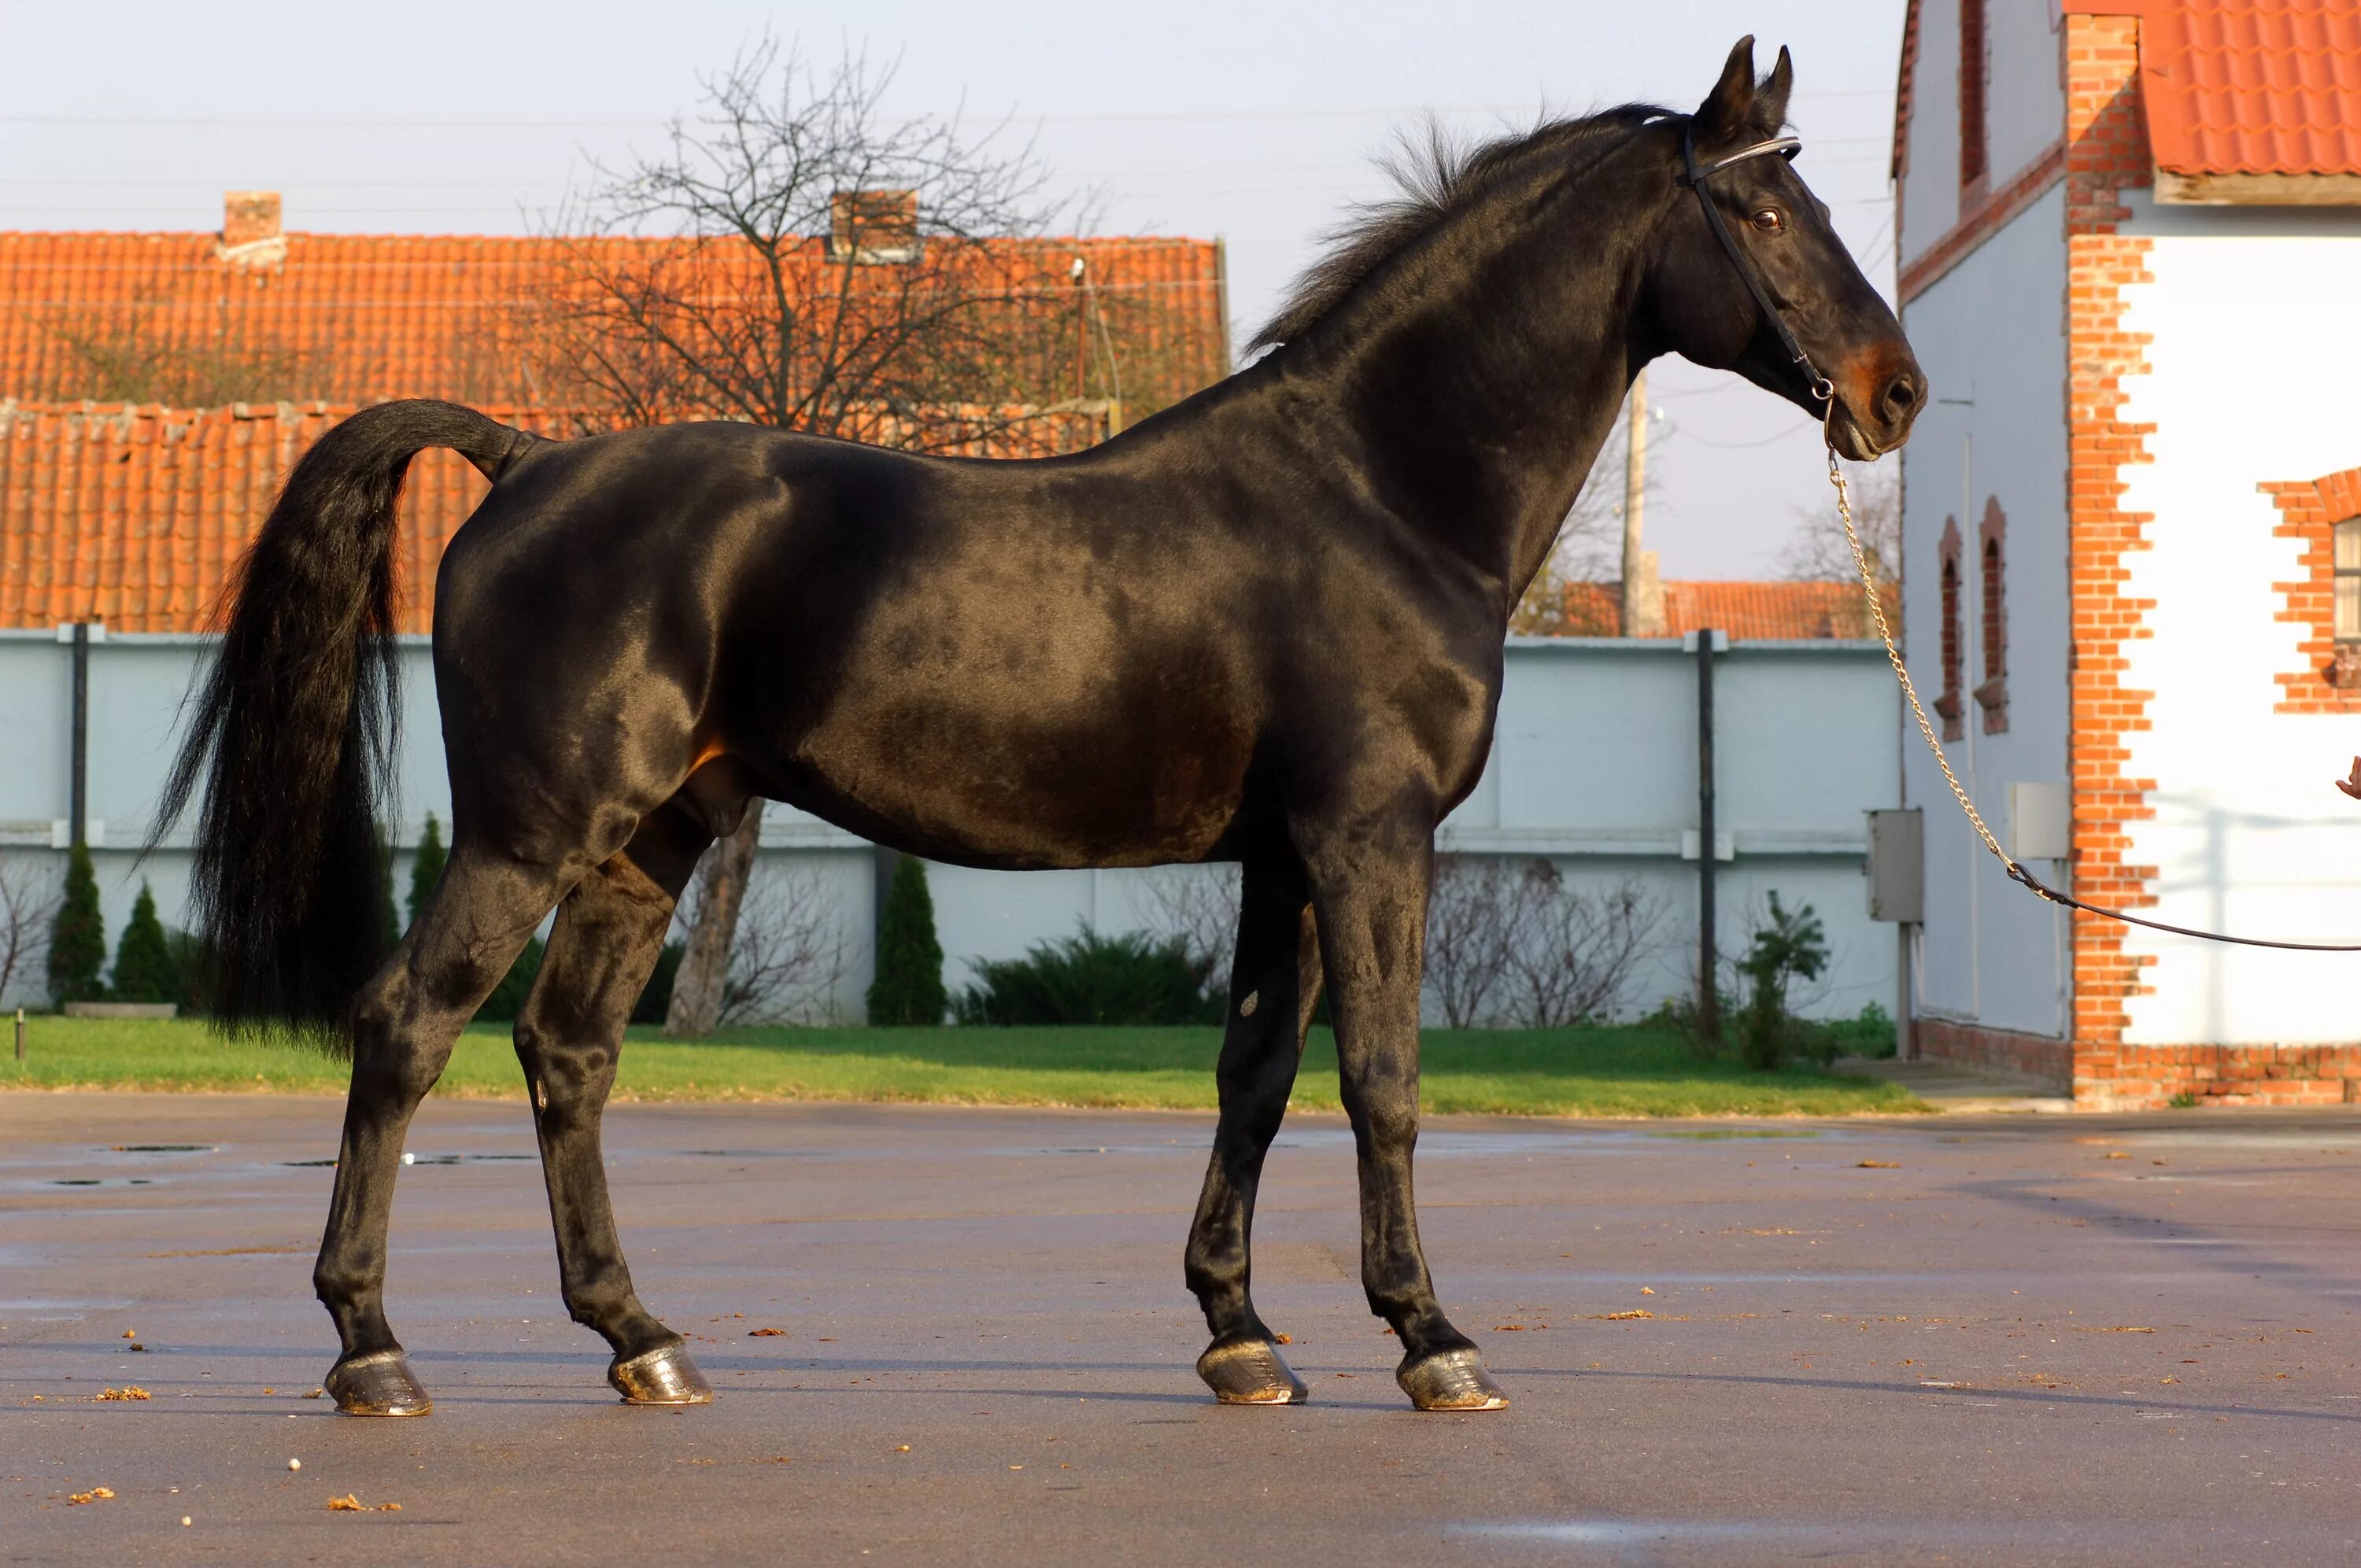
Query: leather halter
[[1694, 175]]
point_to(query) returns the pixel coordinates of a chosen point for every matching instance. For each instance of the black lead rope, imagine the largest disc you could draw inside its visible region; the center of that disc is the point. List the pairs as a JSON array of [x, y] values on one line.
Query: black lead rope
[[1825, 393]]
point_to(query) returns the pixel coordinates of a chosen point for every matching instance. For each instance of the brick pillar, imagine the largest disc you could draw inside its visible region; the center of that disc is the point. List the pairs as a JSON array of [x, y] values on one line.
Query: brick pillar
[[2106, 150]]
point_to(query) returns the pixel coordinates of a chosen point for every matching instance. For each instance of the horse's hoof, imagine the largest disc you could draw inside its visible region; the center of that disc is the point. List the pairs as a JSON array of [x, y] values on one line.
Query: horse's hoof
[[1451, 1380], [377, 1384], [1250, 1372], [665, 1375]]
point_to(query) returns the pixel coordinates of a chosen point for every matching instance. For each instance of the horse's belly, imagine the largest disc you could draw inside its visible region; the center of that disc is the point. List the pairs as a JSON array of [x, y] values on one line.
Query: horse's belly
[[1027, 794]]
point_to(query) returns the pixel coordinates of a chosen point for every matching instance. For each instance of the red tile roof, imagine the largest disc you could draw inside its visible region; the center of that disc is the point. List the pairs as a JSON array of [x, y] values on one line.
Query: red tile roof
[[360, 318], [136, 516], [1773, 610], [2248, 86]]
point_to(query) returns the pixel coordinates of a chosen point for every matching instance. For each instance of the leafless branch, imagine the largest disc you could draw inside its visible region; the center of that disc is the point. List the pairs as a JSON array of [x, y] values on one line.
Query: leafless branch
[[790, 952], [1818, 550], [1589, 549], [1471, 936], [30, 895], [1198, 906], [776, 270], [1576, 952]]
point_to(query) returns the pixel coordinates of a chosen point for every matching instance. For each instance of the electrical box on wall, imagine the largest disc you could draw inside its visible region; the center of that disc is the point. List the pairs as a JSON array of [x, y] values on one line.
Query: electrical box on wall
[[2040, 821], [1898, 865]]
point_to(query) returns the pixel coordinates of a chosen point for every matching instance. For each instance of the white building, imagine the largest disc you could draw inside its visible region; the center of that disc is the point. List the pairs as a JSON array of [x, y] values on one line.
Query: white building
[[2129, 243]]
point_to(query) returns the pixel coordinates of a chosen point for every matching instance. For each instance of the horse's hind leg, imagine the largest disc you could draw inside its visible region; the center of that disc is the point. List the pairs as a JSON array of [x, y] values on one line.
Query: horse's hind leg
[[1274, 984], [404, 1021], [569, 1038]]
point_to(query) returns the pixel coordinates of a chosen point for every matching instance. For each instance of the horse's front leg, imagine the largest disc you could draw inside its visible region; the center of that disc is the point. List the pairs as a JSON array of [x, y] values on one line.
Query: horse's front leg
[[569, 1039], [1274, 983], [1369, 890]]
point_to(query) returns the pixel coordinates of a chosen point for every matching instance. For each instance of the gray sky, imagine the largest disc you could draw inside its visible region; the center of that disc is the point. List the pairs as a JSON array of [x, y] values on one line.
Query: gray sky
[[1255, 121]]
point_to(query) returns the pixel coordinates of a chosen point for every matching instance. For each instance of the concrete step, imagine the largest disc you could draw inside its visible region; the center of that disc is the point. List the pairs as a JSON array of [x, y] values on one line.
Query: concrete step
[[1951, 1088]]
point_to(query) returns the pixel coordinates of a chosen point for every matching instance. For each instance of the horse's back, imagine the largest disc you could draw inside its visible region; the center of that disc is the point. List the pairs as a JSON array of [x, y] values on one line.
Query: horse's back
[[1008, 663]]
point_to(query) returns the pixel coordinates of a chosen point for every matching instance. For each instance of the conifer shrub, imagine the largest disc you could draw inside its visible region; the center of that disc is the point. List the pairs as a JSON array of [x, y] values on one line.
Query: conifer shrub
[[78, 940], [909, 984], [388, 923], [144, 969], [426, 866]]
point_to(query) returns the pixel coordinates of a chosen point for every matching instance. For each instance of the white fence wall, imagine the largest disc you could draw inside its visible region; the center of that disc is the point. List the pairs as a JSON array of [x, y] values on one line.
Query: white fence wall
[[1594, 766]]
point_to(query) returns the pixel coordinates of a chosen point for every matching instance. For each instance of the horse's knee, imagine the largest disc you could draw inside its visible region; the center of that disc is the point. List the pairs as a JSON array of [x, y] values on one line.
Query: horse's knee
[[390, 1054]]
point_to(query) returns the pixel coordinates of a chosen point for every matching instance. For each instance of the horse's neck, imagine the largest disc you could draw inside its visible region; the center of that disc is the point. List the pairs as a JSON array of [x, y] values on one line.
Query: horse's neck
[[1480, 424]]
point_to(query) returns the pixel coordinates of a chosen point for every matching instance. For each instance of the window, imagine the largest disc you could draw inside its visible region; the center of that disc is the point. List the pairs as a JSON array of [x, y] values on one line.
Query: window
[[1949, 705], [2347, 612], [1972, 90], [1992, 695]]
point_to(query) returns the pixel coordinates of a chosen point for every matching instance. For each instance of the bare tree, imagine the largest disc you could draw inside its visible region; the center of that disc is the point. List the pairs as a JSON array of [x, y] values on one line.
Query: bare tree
[[29, 896], [1589, 551], [711, 914], [1472, 920], [1197, 908], [1574, 952], [790, 955], [1818, 552], [798, 257]]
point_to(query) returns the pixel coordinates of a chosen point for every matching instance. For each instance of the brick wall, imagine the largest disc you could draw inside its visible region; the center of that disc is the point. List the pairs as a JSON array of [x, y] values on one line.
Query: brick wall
[[2036, 1059], [2106, 152], [2308, 512], [2133, 1078]]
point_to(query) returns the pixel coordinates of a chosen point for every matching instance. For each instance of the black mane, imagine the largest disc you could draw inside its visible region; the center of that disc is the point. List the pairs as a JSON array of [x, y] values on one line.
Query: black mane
[[1438, 180]]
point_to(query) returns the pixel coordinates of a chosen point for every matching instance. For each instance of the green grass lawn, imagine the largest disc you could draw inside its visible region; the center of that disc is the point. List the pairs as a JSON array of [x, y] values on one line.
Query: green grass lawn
[[1565, 1072]]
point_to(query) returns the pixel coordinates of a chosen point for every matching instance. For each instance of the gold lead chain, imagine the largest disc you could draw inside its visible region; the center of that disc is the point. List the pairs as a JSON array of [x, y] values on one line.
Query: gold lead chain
[[1894, 655]]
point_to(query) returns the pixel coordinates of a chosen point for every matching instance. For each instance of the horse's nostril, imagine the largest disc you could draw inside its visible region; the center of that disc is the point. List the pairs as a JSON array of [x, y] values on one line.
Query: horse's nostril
[[1901, 397]]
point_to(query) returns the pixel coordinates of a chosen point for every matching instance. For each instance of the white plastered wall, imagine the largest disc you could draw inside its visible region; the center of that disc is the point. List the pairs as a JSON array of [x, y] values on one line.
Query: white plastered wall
[[2254, 333], [2025, 106], [1991, 336], [1930, 190]]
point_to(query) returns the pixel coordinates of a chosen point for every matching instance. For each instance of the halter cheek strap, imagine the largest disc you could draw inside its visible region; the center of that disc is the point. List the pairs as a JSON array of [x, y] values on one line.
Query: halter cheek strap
[[1694, 175]]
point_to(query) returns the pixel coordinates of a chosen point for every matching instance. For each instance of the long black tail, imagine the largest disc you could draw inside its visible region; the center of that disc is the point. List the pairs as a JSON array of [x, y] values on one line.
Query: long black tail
[[294, 730]]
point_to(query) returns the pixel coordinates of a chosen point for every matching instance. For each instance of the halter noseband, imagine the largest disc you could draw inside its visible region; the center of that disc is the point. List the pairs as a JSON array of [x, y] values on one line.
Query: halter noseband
[[1695, 175]]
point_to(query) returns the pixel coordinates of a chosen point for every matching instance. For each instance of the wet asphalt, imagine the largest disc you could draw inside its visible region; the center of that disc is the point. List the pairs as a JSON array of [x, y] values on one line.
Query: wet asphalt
[[1950, 1339]]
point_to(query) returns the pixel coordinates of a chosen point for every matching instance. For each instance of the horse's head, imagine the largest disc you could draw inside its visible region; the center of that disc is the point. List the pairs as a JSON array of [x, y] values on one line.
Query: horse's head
[[1703, 304]]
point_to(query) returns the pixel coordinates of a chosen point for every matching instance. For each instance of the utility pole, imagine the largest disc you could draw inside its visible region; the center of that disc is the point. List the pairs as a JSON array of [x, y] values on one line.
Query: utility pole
[[1643, 599]]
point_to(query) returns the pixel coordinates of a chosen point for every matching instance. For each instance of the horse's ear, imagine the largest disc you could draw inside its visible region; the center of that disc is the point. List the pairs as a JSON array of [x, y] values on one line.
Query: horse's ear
[[1730, 107], [1771, 100]]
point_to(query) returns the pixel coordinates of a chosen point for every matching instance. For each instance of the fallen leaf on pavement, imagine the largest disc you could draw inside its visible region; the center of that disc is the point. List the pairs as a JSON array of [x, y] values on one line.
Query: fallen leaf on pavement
[[93, 1496], [1879, 1165], [134, 1392], [765, 1333], [1619, 1317]]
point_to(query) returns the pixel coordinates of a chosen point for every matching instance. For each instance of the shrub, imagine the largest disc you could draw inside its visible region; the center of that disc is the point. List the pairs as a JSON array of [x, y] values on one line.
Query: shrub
[[388, 923], [425, 866], [143, 970], [656, 1000], [1869, 1034], [191, 963], [507, 999], [909, 984], [1088, 977], [1787, 946], [78, 941]]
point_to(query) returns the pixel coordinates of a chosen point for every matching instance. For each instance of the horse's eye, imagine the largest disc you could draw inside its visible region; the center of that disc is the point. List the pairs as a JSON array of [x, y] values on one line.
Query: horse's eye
[[1770, 219]]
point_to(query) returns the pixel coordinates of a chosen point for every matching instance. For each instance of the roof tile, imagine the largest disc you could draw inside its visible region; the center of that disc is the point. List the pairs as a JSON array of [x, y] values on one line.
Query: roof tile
[[2252, 86]]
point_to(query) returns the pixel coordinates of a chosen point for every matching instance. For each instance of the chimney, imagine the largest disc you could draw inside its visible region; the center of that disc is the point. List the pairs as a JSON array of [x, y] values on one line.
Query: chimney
[[250, 234], [872, 226]]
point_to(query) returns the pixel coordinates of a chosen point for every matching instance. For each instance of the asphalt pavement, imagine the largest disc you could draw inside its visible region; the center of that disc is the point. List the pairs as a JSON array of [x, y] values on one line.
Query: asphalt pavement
[[954, 1335]]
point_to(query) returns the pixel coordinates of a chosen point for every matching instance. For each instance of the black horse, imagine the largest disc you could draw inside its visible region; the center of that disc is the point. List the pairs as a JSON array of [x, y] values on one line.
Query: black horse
[[1264, 626]]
